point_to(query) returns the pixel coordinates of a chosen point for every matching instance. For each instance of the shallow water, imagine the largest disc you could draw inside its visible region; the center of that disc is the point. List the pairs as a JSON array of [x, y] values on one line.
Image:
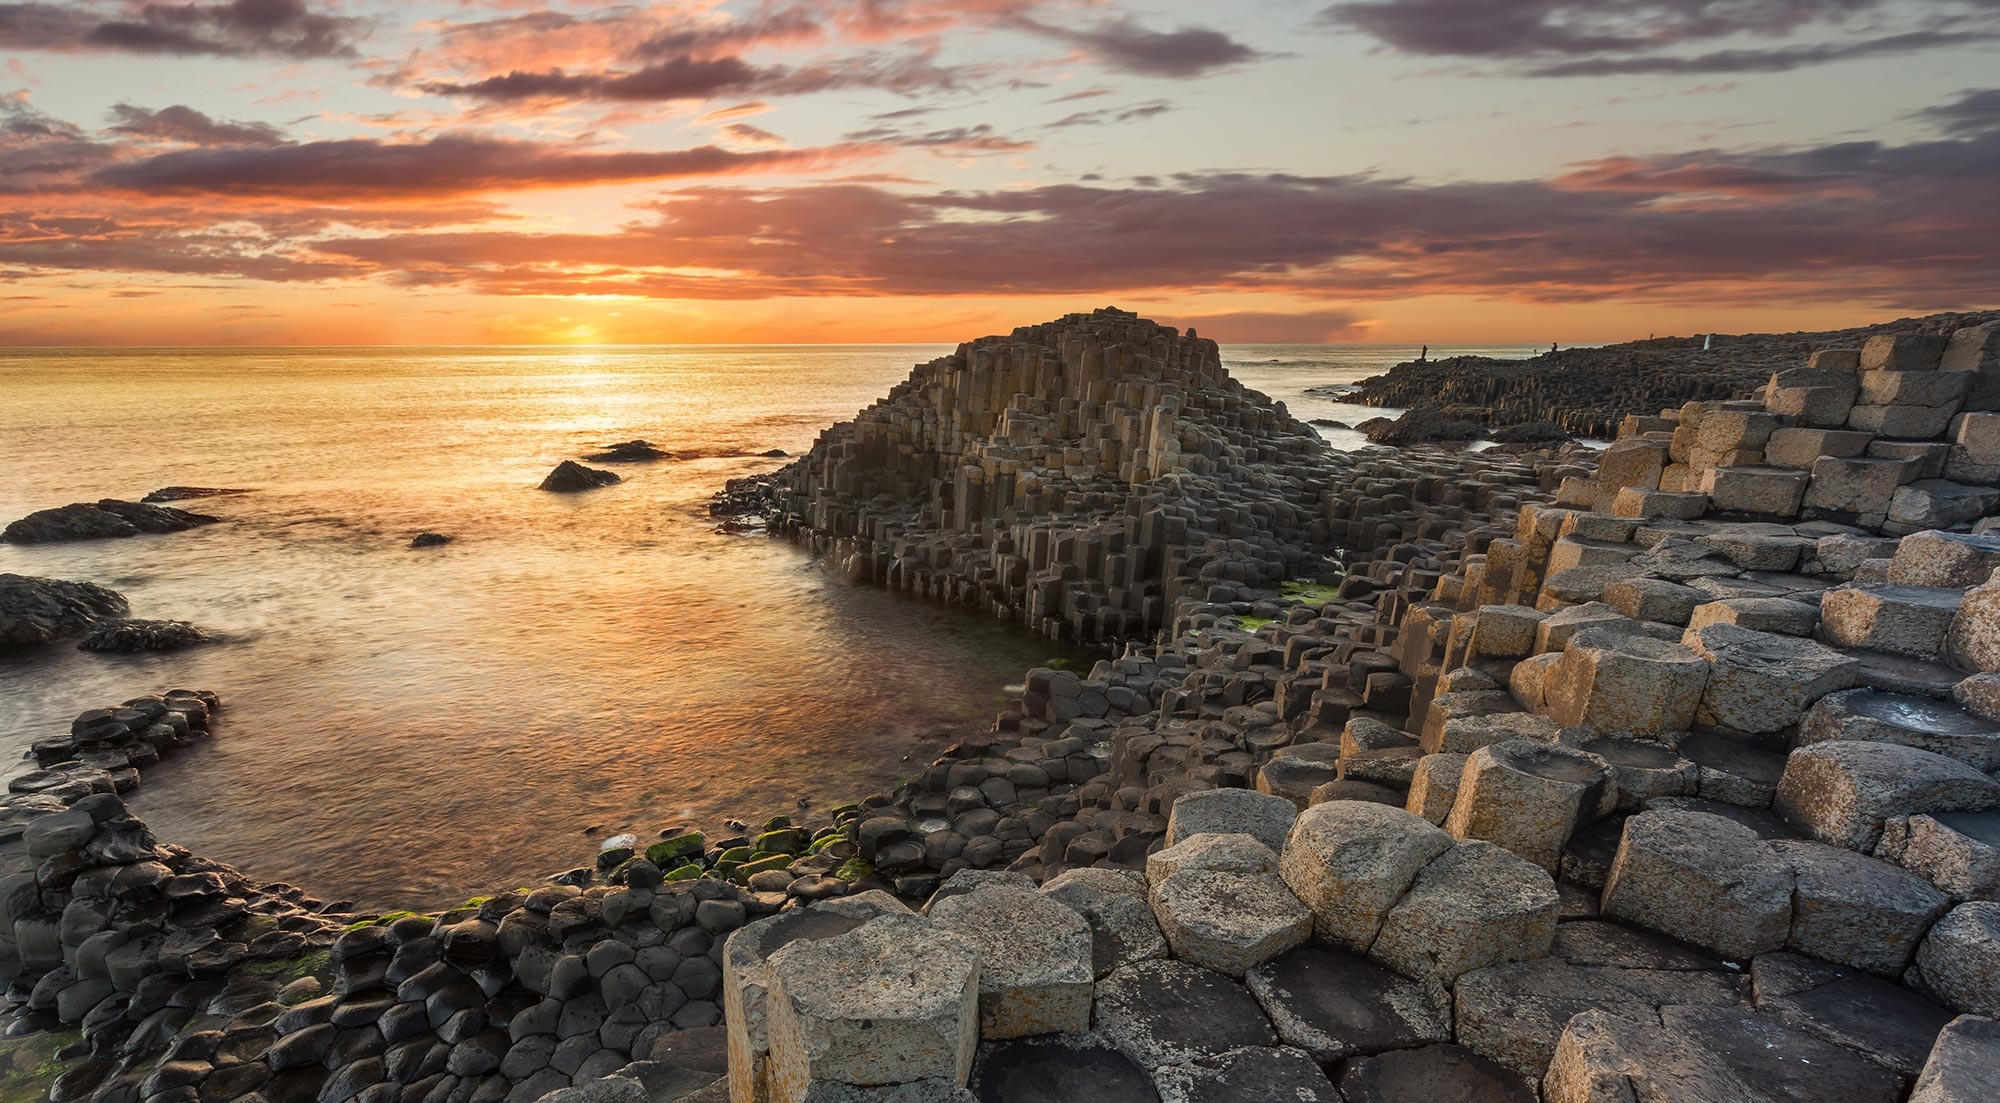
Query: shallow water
[[404, 727]]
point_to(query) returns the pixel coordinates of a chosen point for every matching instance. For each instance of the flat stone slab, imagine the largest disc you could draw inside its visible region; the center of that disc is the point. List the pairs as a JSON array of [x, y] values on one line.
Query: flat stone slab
[[1058, 1069], [1907, 720], [1229, 922], [1335, 1005], [1856, 910], [1889, 1023], [1235, 853], [1169, 1013], [1261, 1075], [1705, 1055], [1514, 1013], [1433, 1074]]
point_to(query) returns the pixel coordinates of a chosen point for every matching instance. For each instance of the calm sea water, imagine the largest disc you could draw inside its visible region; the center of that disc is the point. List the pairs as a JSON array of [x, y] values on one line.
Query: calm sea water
[[405, 727]]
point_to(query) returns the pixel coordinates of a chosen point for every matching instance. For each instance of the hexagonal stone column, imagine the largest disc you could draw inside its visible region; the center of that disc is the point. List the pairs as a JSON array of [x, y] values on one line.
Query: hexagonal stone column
[[1959, 852], [893, 1001], [1959, 961], [1530, 797], [1841, 792], [1221, 853], [1232, 811], [746, 983], [1856, 910], [1928, 724], [1037, 975], [1114, 903], [1954, 559], [1759, 682], [1612, 682], [1476, 905], [1229, 922], [1903, 620], [1350, 861], [1703, 879], [1974, 639]]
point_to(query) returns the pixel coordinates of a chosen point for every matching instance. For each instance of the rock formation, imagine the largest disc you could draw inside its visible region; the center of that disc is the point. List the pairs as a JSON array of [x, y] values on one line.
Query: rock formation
[[1664, 774], [1585, 391], [129, 636], [37, 610], [101, 520], [570, 476]]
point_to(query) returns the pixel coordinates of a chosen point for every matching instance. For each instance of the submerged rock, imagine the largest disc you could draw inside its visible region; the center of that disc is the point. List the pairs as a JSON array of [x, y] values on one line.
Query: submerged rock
[[184, 493], [631, 451], [570, 475], [36, 610], [99, 521], [429, 540], [1532, 432], [129, 636]]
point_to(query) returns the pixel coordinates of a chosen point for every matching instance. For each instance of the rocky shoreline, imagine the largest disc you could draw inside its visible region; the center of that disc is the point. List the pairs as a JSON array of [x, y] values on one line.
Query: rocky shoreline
[[1665, 773], [1586, 392]]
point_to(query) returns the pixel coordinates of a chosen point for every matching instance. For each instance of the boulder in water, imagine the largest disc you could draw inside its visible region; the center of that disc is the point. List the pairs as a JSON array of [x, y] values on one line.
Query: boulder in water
[[99, 521], [435, 539], [774, 454], [129, 636], [570, 476], [36, 610], [631, 451]]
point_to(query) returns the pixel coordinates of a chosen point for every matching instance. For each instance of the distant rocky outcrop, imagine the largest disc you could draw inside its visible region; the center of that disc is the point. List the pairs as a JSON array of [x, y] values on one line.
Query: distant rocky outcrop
[[37, 610], [1420, 426], [1586, 391], [129, 636], [186, 493], [570, 476], [631, 451], [429, 540], [101, 520]]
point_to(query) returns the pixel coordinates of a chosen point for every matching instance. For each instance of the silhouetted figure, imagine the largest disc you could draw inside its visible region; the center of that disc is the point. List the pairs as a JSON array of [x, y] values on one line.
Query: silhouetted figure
[[1552, 346], [1424, 355]]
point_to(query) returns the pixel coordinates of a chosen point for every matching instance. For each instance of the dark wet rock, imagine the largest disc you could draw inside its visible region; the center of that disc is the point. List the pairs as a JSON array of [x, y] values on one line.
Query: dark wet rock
[[1328, 423], [631, 451], [1170, 1012], [1704, 1054], [429, 540], [1420, 426], [189, 493], [1055, 1069], [1852, 1009], [100, 521], [1433, 1074], [774, 453], [1254, 1075], [570, 476], [131, 636], [1335, 1005], [36, 610]]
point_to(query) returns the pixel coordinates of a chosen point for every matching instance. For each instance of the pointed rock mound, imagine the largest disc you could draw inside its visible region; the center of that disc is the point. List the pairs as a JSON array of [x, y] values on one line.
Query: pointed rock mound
[[570, 476]]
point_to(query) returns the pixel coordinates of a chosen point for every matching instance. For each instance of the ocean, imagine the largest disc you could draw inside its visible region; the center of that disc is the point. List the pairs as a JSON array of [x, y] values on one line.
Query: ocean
[[404, 727]]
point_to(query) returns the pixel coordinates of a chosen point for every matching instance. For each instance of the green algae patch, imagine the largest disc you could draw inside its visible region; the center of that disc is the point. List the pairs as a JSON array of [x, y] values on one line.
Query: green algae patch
[[28, 1065], [750, 869], [688, 872], [286, 970], [784, 840], [664, 852], [854, 869], [1312, 593], [385, 919], [1251, 624]]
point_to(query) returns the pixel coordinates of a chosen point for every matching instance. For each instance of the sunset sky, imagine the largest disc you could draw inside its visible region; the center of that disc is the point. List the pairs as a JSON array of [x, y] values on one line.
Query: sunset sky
[[514, 171]]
